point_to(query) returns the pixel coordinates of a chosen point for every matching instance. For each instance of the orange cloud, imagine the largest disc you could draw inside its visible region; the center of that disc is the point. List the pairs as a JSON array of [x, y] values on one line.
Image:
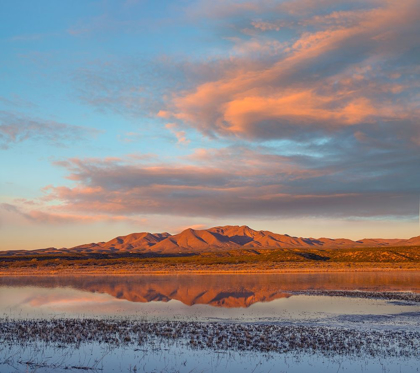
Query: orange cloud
[[308, 87], [180, 135]]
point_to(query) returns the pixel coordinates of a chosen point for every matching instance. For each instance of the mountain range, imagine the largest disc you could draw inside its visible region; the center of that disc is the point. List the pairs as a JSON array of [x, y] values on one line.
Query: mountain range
[[216, 239]]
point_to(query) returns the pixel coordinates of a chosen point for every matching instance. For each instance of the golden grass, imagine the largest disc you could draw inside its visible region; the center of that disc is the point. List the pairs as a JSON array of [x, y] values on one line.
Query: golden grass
[[233, 261]]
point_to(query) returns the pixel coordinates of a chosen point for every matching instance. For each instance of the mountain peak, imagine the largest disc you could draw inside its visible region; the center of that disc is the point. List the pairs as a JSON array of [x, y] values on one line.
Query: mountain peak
[[232, 230]]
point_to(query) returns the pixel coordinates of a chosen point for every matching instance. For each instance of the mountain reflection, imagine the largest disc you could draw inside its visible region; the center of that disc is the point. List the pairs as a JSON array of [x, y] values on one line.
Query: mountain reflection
[[228, 291]]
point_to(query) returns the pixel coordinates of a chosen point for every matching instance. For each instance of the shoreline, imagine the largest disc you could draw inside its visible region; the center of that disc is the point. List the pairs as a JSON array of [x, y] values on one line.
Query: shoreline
[[148, 272]]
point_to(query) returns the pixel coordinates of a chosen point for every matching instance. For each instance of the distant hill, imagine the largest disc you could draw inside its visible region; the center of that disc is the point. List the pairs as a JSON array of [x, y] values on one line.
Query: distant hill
[[214, 239]]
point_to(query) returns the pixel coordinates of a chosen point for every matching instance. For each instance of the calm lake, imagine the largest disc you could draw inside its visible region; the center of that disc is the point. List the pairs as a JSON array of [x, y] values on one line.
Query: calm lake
[[364, 302]]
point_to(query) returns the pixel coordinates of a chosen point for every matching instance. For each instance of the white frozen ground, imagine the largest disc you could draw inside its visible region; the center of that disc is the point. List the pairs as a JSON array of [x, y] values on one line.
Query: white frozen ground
[[56, 345], [176, 357]]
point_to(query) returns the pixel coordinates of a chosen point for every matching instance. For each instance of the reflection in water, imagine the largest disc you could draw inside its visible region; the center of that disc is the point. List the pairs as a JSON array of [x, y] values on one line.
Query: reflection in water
[[227, 291], [203, 297]]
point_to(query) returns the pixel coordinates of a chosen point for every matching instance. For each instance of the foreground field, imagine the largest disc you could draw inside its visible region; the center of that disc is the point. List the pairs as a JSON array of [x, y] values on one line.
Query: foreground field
[[240, 261], [120, 345]]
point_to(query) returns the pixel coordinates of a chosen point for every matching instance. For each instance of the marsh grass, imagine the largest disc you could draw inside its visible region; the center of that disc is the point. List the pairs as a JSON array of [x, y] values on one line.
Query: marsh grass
[[252, 260]]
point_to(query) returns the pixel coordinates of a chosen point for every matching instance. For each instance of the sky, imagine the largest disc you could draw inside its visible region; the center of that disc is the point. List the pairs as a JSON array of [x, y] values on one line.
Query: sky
[[299, 117]]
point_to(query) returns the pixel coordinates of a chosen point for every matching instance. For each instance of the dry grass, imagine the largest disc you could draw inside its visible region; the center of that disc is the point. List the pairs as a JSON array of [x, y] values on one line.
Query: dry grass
[[250, 260]]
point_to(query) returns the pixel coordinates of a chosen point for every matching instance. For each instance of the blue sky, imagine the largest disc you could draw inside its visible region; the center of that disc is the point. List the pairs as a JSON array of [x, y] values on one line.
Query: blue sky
[[123, 116]]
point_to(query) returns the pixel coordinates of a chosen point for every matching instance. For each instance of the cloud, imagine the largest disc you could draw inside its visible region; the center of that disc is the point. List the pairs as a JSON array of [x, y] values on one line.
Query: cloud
[[32, 37], [103, 24], [129, 137], [10, 208], [16, 101], [16, 128], [335, 70], [226, 8], [238, 182], [180, 135], [291, 67], [125, 87], [52, 218], [136, 87]]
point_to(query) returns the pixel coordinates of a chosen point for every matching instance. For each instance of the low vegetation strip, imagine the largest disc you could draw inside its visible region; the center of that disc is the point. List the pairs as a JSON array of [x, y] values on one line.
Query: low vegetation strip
[[243, 260]]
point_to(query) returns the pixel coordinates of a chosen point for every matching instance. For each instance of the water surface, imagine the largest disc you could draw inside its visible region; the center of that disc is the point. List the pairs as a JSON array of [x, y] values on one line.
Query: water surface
[[253, 297], [281, 299]]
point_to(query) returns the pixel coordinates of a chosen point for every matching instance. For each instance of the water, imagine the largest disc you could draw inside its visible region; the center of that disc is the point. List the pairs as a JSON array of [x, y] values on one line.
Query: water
[[284, 299], [173, 358]]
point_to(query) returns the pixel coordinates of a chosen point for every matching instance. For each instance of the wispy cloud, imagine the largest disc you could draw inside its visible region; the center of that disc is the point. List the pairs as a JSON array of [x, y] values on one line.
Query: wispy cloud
[[180, 135], [60, 218], [32, 37], [16, 101], [16, 128]]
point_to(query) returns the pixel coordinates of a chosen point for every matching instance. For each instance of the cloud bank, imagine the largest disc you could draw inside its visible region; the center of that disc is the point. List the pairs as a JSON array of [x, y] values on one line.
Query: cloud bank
[[234, 182]]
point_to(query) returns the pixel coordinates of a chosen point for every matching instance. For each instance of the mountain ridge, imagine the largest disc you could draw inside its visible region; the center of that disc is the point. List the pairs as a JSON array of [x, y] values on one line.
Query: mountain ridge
[[218, 238]]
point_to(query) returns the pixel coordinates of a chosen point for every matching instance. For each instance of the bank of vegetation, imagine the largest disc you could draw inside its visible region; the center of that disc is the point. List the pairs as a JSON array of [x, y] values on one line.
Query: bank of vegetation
[[229, 260]]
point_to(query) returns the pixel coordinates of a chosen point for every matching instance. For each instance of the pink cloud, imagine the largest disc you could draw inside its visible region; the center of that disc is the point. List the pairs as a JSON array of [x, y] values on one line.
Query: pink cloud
[[224, 182], [304, 89], [180, 135]]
